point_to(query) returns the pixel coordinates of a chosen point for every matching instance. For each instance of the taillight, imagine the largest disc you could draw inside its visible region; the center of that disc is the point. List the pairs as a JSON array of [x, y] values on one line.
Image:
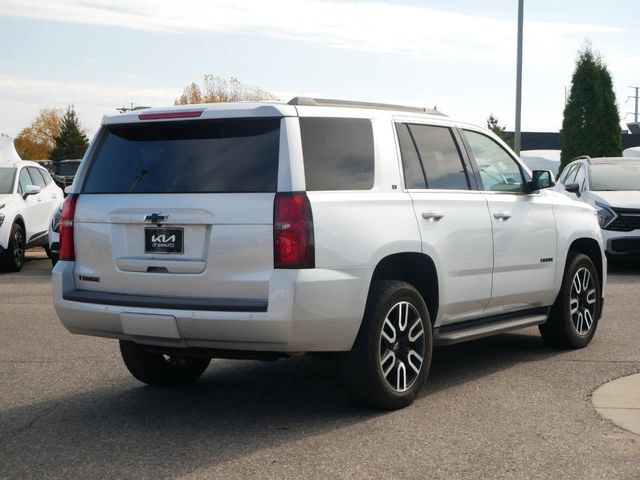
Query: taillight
[[67, 247], [293, 231]]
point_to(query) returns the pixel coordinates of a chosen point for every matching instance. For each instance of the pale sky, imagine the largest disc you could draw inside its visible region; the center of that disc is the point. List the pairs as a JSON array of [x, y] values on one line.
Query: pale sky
[[457, 55]]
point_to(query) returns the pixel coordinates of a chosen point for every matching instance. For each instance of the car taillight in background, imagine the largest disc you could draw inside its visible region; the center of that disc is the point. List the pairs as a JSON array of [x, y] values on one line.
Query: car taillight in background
[[67, 247], [293, 231]]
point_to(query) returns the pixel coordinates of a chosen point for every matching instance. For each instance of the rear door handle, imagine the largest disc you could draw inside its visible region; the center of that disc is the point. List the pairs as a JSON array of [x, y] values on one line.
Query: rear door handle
[[502, 216], [432, 215]]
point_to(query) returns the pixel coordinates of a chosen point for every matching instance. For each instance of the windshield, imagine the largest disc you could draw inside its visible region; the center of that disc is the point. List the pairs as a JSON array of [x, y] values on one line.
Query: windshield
[[615, 176], [6, 179], [66, 168]]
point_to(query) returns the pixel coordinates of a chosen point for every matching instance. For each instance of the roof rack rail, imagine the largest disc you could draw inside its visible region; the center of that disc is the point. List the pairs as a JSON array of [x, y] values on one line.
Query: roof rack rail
[[327, 102], [582, 157]]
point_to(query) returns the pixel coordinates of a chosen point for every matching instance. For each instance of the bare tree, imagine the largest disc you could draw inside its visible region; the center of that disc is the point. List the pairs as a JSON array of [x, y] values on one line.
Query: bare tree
[[216, 89]]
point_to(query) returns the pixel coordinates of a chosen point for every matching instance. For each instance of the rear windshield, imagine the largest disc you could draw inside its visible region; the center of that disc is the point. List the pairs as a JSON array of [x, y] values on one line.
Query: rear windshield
[[202, 156], [6, 179]]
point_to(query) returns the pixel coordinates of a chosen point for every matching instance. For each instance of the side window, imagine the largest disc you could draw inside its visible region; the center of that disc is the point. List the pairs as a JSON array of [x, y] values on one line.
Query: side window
[[438, 156], [338, 153], [414, 176], [567, 173], [37, 177], [580, 177], [24, 180], [499, 172], [46, 176]]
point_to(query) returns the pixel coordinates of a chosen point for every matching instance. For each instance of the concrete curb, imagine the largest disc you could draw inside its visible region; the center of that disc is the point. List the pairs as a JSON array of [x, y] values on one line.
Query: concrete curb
[[619, 401]]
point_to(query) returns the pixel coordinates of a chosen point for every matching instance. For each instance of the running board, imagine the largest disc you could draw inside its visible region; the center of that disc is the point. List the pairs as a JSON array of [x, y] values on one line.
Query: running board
[[450, 334]]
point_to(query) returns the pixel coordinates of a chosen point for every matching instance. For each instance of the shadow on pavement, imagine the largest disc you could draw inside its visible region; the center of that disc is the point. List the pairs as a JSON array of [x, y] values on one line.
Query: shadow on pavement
[[623, 266], [127, 430]]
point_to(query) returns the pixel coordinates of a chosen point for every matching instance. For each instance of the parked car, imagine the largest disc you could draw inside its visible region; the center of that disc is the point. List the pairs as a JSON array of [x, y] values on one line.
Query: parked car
[[64, 171], [612, 186], [54, 236], [265, 230], [28, 198]]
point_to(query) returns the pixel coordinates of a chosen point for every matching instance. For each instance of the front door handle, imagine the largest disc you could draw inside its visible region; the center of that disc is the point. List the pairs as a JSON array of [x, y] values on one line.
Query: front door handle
[[432, 215], [502, 216]]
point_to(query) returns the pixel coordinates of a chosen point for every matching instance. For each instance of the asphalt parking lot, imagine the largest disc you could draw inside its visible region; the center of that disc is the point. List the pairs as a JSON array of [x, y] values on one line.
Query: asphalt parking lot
[[504, 407]]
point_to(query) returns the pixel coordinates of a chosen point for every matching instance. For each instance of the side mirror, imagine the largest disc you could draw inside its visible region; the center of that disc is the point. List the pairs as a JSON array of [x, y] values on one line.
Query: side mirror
[[539, 179], [31, 190], [573, 188]]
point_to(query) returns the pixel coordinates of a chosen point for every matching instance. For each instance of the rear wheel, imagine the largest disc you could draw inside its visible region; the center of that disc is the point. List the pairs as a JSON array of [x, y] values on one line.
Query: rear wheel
[[161, 370], [390, 359], [574, 317], [13, 257]]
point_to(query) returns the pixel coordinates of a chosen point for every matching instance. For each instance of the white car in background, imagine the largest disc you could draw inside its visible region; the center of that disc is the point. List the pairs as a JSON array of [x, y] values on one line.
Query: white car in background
[[612, 186], [28, 199]]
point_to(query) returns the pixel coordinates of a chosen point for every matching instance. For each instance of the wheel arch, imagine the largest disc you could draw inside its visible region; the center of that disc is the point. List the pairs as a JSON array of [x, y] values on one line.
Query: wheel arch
[[590, 248], [414, 268]]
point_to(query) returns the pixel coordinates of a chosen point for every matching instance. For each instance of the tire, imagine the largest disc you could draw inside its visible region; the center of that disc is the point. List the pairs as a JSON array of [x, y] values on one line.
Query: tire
[[13, 257], [47, 250], [161, 370], [573, 319], [380, 371], [54, 259]]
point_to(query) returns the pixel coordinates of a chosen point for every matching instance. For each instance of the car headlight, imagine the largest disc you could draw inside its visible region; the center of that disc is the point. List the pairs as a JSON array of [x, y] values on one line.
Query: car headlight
[[1, 219], [55, 221], [605, 215]]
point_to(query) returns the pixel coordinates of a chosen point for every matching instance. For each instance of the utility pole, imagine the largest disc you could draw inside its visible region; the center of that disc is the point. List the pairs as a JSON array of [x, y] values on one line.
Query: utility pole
[[516, 142], [637, 89]]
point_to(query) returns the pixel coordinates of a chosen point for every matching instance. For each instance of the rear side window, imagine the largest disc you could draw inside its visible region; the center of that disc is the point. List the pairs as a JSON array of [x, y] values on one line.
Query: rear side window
[[203, 156], [431, 158], [338, 153]]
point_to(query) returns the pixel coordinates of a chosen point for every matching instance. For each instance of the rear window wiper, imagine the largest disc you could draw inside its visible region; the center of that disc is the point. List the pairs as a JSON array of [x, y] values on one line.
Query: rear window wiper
[[139, 177]]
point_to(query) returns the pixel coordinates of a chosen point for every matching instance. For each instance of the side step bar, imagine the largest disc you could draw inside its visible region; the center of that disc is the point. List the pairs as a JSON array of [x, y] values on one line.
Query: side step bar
[[451, 334]]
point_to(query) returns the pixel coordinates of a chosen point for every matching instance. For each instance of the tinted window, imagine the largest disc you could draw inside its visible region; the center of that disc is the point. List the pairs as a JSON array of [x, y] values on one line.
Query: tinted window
[[413, 172], [37, 177], [498, 170], [338, 153], [230, 155], [6, 179], [25, 180], [609, 176], [440, 157], [66, 168]]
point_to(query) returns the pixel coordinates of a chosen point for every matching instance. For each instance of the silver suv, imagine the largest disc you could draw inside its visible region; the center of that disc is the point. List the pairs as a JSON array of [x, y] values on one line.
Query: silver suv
[[371, 231]]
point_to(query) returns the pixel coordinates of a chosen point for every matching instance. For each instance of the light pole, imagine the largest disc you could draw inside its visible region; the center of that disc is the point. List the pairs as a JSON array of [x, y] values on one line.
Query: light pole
[[516, 142]]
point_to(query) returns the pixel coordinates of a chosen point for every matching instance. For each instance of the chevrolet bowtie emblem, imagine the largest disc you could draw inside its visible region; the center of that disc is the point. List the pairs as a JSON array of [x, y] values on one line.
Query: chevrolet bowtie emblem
[[156, 218]]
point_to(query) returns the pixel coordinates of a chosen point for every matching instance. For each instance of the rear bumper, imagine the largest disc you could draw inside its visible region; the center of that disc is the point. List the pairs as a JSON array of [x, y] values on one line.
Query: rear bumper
[[307, 310]]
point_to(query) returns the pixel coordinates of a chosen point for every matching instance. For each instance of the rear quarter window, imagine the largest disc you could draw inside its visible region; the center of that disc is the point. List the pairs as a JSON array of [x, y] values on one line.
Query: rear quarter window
[[201, 156], [338, 153]]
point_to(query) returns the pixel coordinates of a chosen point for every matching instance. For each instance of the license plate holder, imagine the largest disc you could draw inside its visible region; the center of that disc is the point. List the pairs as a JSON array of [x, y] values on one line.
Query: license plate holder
[[164, 240]]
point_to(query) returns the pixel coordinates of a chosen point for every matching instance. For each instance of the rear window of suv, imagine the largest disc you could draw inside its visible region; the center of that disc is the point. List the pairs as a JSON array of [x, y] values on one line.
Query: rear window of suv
[[201, 156], [338, 153]]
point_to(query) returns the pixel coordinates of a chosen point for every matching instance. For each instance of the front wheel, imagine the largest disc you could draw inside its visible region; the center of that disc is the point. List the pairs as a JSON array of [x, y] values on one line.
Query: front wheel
[[13, 257], [161, 370], [389, 362], [573, 319]]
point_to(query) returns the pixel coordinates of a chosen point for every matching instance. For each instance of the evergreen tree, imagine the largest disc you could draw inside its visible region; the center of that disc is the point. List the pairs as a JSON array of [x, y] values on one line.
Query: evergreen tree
[[71, 142], [591, 124], [493, 124]]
